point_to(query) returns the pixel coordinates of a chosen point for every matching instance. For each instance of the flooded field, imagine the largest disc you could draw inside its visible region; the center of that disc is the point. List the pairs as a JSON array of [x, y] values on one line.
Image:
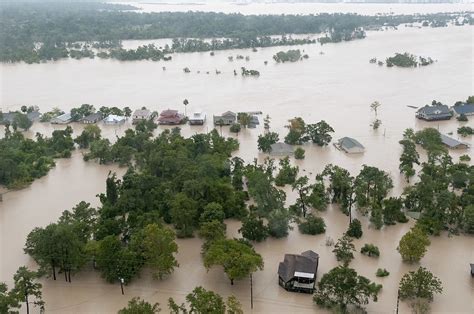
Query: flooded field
[[337, 86]]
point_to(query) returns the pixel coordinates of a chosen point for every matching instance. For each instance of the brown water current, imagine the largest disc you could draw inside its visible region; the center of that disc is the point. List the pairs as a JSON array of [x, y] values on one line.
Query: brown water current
[[337, 86]]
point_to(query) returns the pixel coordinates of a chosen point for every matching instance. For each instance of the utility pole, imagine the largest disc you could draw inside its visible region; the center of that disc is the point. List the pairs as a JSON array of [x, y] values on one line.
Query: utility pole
[[121, 285], [398, 299], [251, 292]]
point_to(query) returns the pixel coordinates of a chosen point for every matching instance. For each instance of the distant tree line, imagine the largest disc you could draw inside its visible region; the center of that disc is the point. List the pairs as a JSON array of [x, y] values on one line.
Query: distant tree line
[[40, 32]]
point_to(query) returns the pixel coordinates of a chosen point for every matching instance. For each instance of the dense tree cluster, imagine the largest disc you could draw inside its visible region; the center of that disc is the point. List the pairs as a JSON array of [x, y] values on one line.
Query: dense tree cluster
[[58, 29], [299, 132], [407, 60], [22, 160], [289, 56]]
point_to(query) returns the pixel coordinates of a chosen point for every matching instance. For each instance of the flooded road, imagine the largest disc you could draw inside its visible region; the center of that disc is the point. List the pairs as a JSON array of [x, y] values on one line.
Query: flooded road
[[337, 87]]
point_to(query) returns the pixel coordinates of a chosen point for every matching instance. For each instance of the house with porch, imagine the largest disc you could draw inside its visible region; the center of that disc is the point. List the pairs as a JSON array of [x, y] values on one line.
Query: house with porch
[[227, 118], [298, 272], [198, 118]]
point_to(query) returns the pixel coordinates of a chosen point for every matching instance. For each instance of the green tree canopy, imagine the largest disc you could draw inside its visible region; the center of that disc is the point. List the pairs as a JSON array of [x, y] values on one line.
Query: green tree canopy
[[412, 246], [342, 287], [238, 259]]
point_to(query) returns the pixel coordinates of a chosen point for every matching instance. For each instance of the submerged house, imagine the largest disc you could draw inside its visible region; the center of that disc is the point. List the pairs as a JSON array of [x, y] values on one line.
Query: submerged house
[[141, 115], [453, 143], [9, 117], [465, 109], [298, 272], [253, 121], [62, 119], [350, 145], [227, 118], [281, 149], [434, 113], [92, 118], [170, 117], [114, 119], [198, 118]]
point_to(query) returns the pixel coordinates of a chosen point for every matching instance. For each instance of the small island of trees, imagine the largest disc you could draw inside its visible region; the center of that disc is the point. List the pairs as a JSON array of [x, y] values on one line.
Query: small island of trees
[[407, 60], [289, 56]]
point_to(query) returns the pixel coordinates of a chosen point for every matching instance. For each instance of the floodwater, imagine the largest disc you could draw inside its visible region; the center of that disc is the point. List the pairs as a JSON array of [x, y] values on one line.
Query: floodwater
[[301, 8], [337, 87]]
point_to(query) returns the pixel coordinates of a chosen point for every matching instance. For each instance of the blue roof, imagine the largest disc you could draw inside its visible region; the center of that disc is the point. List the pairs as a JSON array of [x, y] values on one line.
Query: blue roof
[[464, 109]]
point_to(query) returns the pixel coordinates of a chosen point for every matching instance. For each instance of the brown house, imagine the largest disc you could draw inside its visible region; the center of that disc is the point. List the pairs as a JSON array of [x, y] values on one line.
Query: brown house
[[170, 117]]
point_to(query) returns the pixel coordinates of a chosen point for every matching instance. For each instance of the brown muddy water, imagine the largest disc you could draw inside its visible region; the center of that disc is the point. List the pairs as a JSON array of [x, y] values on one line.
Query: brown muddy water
[[337, 87]]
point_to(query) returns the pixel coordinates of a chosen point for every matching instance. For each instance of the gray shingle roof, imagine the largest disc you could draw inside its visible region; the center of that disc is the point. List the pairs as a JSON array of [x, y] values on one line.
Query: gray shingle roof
[[349, 143], [307, 262], [451, 142], [281, 149], [93, 117], [464, 109], [435, 110]]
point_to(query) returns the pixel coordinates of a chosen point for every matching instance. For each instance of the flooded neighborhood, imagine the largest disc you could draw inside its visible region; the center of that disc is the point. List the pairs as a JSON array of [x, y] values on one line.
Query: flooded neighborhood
[[336, 84]]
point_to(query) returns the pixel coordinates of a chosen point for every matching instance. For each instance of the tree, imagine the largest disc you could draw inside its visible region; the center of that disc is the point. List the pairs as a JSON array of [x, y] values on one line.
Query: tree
[[392, 211], [22, 121], [302, 187], [370, 250], [211, 231], [266, 140], [138, 306], [212, 211], [185, 103], [419, 284], [412, 246], [244, 119], [287, 173], [344, 249], [409, 155], [203, 301], [279, 223], [115, 261], [90, 134], [299, 153], [374, 107], [342, 287], [183, 214], [469, 219], [297, 132], [319, 133], [355, 229], [26, 287], [238, 259], [127, 112], [157, 247], [340, 187], [312, 225], [318, 198], [8, 301], [253, 228], [371, 186]]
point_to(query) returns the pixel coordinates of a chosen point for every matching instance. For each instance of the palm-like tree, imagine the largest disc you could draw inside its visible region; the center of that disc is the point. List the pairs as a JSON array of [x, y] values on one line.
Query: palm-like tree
[[374, 106], [185, 103]]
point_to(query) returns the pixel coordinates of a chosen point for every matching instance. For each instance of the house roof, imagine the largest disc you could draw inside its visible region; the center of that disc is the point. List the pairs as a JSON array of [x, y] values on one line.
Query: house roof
[[8, 116], [169, 113], [198, 115], [93, 117], [464, 109], [64, 117], [349, 142], [112, 118], [281, 148], [438, 110], [229, 114], [141, 112], [304, 264], [451, 142]]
